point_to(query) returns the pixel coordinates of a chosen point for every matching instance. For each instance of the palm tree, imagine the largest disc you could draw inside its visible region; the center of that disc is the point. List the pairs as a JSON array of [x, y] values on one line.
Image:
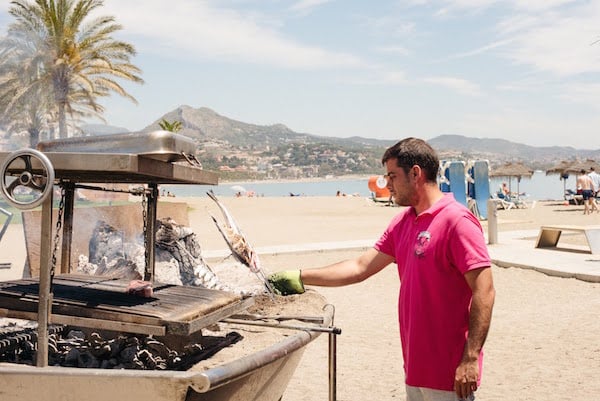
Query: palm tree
[[25, 104], [170, 126], [78, 62]]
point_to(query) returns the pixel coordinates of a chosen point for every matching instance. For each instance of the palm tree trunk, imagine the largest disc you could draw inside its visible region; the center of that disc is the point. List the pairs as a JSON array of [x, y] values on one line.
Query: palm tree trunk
[[34, 137], [61, 91], [62, 121]]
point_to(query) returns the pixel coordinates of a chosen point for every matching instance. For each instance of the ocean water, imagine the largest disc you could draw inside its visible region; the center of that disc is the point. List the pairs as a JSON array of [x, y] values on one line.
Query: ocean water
[[539, 187]]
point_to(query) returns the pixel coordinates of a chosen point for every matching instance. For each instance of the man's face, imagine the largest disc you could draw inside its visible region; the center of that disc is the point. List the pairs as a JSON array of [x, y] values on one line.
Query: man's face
[[398, 183]]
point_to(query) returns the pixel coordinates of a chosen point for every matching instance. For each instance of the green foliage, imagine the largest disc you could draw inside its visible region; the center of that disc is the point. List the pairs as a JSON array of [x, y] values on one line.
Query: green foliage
[[65, 60], [174, 126]]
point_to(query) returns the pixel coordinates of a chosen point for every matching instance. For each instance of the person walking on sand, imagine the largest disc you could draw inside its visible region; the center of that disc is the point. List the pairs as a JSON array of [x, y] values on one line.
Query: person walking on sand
[[595, 181], [587, 192], [446, 293]]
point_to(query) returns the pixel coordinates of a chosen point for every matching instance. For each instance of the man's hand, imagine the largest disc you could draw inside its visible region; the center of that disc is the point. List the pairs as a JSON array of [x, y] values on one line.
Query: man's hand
[[465, 379], [287, 282]]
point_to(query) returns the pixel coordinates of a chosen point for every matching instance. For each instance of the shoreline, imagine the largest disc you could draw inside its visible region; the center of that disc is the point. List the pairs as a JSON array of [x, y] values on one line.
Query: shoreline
[[351, 177]]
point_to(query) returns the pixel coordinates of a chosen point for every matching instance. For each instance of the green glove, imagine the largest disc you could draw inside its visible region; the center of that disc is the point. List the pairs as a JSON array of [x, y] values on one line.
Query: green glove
[[287, 282]]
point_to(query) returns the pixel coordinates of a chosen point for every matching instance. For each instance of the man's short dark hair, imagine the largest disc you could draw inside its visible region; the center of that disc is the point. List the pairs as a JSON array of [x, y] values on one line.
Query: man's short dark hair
[[414, 151]]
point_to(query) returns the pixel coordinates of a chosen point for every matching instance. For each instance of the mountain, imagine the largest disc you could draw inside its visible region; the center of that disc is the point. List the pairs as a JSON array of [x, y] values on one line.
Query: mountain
[[504, 150], [206, 126]]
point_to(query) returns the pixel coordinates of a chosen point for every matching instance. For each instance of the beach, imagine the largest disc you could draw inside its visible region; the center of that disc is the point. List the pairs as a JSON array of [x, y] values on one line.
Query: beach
[[543, 343]]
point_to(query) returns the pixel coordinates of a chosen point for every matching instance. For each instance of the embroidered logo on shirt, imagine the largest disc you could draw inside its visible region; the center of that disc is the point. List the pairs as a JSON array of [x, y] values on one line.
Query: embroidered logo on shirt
[[422, 242]]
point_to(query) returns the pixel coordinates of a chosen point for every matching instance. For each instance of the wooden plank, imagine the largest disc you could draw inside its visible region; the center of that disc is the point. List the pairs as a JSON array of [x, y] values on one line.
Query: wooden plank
[[91, 323], [99, 302], [199, 322]]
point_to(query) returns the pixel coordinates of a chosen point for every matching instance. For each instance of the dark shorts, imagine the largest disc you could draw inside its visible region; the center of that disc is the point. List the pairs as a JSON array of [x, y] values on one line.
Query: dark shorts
[[587, 194]]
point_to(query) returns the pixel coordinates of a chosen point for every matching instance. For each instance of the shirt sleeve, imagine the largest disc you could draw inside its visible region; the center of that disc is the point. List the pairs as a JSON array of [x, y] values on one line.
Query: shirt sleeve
[[468, 250], [386, 243]]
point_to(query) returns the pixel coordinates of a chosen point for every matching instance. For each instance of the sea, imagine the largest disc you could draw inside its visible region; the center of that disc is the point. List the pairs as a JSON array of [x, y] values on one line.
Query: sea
[[539, 187]]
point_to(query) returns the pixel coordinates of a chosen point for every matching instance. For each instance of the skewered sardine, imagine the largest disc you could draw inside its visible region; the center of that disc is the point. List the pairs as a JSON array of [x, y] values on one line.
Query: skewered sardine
[[239, 246]]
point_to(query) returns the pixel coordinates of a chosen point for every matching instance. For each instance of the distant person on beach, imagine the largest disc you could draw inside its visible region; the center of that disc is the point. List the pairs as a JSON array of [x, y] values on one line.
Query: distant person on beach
[[595, 180], [505, 190], [446, 293], [584, 182]]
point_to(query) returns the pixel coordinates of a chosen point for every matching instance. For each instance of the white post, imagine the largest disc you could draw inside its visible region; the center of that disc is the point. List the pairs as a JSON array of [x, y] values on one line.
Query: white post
[[492, 211]]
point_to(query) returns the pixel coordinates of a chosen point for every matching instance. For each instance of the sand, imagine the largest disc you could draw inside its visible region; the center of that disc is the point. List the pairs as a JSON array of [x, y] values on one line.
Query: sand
[[543, 343]]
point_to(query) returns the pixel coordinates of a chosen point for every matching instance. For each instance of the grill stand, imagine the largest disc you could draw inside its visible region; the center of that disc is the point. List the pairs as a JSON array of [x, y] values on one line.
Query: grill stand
[[150, 230], [67, 224], [45, 296]]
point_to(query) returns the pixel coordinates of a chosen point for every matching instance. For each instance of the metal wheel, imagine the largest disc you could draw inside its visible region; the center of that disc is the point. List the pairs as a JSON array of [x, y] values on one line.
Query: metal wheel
[[27, 178]]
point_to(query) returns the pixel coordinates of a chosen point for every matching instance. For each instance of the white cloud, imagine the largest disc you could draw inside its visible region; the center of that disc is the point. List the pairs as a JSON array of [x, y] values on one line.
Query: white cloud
[[398, 50], [478, 51], [306, 6], [199, 30], [540, 5], [537, 129], [457, 84], [587, 94], [477, 5], [560, 43]]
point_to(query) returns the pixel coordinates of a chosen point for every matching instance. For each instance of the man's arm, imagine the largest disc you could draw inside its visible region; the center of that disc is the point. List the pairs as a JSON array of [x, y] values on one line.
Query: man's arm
[[342, 273], [348, 271], [467, 372]]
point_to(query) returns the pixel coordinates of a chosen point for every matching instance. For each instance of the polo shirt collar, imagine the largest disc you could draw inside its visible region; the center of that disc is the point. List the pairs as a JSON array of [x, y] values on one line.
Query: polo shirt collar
[[434, 209]]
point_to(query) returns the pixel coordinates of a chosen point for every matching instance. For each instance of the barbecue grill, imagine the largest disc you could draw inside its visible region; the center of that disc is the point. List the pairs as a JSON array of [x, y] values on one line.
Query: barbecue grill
[[144, 161], [28, 180]]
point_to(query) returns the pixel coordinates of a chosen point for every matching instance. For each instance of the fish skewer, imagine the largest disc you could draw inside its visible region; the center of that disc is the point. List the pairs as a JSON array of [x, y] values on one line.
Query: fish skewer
[[239, 246]]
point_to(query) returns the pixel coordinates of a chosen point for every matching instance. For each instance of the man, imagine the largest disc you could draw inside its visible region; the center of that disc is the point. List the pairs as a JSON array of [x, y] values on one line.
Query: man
[[446, 292], [595, 180], [586, 185]]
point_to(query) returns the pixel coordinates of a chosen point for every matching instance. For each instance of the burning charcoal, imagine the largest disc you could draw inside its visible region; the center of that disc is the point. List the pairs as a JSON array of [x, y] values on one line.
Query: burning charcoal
[[161, 363], [129, 353], [106, 242], [115, 347], [76, 334], [95, 339], [192, 348], [157, 348], [132, 341], [101, 351], [147, 359], [72, 357], [87, 360]]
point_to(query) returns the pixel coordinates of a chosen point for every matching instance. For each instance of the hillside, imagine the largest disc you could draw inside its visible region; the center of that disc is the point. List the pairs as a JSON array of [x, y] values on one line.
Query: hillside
[[500, 150], [204, 124], [246, 150]]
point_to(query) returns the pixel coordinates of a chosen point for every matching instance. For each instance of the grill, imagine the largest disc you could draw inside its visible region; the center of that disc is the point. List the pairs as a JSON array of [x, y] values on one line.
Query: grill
[[148, 159]]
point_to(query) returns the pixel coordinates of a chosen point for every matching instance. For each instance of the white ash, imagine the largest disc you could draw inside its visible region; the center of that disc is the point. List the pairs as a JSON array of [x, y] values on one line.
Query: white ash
[[178, 260]]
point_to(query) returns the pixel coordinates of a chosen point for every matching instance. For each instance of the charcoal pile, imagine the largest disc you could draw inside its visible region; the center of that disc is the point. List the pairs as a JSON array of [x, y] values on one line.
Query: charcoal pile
[[178, 257], [72, 348]]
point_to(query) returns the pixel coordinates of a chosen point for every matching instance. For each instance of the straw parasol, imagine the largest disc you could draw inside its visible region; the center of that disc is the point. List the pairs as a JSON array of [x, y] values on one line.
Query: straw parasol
[[585, 165], [510, 170], [566, 167]]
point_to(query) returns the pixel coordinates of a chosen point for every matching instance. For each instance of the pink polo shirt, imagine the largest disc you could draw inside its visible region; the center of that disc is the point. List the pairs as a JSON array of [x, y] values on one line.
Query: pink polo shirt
[[433, 251]]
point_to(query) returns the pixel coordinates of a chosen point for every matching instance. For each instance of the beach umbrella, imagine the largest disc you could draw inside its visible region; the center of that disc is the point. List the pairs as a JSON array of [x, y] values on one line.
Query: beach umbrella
[[578, 165], [510, 170], [561, 169], [567, 167]]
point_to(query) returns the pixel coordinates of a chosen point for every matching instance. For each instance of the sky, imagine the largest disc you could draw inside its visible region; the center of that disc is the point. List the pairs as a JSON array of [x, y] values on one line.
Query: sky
[[525, 71]]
